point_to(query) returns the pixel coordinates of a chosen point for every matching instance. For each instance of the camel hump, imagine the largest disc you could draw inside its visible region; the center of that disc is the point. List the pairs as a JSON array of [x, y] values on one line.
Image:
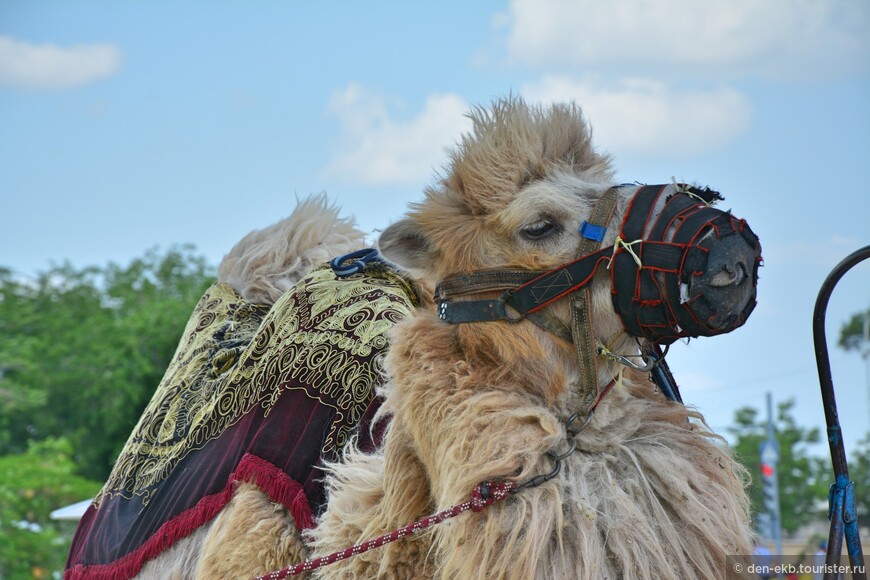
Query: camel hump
[[268, 262]]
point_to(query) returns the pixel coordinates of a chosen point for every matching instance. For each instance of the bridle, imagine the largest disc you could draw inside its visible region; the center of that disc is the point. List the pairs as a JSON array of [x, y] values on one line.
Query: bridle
[[663, 245]]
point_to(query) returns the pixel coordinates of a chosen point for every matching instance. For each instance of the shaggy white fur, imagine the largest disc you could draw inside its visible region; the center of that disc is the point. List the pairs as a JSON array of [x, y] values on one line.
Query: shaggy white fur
[[268, 262]]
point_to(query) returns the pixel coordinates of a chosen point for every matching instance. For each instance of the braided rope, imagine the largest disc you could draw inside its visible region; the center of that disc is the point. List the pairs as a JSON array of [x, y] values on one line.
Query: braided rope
[[484, 495]]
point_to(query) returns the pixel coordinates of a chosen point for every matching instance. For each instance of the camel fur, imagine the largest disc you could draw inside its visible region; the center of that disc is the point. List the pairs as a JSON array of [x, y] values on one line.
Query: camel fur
[[268, 262], [650, 492]]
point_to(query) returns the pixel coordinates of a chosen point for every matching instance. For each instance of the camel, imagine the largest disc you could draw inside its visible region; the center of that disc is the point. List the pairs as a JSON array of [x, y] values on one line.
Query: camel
[[644, 489]]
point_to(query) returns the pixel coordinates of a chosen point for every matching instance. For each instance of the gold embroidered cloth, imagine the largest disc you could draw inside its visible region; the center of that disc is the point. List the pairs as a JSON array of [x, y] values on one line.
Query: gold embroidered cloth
[[287, 384]]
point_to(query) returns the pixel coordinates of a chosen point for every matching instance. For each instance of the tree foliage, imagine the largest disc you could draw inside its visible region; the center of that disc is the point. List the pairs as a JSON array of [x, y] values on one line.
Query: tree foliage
[[32, 485], [803, 479], [853, 336], [852, 332], [81, 350], [859, 472]]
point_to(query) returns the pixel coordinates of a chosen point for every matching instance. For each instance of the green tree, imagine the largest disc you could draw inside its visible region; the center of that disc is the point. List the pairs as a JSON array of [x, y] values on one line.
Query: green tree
[[82, 350], [854, 336], [859, 472], [853, 333], [803, 479], [32, 485]]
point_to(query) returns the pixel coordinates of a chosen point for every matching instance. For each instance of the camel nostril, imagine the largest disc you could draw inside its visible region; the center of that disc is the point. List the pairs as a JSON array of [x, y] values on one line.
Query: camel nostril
[[742, 274], [726, 276], [729, 274], [728, 285]]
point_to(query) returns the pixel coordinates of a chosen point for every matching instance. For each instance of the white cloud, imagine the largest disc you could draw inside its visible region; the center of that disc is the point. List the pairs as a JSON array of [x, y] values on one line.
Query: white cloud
[[378, 148], [46, 66], [770, 38], [646, 117]]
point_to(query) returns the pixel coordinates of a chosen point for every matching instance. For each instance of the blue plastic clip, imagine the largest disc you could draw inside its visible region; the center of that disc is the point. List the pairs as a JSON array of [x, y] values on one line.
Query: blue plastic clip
[[592, 232], [360, 259]]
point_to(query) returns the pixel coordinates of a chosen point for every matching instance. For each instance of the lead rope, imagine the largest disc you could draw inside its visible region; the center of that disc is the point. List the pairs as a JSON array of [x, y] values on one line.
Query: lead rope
[[483, 496]]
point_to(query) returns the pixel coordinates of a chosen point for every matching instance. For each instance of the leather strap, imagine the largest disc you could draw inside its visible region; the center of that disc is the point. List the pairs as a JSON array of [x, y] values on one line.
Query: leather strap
[[581, 310], [486, 280], [526, 292], [526, 299], [547, 320], [584, 348]]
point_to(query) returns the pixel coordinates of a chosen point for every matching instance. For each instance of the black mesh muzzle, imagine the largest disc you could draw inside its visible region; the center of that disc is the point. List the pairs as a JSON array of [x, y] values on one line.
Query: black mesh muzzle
[[698, 265]]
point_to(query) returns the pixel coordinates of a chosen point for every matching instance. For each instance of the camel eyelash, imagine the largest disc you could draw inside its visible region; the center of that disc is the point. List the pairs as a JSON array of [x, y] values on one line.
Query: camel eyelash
[[541, 230]]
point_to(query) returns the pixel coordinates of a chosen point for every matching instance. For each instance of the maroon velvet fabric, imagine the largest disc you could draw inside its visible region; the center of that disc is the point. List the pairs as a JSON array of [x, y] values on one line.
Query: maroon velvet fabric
[[279, 446]]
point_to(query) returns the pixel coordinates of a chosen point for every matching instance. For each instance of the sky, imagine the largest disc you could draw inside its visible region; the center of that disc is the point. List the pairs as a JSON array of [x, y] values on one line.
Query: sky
[[129, 126]]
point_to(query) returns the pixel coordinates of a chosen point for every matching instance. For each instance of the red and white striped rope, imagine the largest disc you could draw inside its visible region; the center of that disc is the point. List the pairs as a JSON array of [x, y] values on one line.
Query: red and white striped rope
[[484, 495]]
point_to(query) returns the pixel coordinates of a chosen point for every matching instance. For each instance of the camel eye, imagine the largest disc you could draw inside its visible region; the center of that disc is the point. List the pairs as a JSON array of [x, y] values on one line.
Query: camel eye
[[541, 230]]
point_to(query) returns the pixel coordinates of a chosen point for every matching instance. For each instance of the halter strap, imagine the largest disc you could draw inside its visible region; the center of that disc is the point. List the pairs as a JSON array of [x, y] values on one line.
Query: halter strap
[[581, 310], [486, 280], [526, 298], [527, 293]]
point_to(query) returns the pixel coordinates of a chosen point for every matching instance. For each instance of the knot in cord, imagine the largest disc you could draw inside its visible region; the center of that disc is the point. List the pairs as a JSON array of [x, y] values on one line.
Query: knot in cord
[[683, 188], [627, 246]]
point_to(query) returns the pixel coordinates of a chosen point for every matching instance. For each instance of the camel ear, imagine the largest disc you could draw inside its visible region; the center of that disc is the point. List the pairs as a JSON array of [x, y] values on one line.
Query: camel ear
[[405, 245]]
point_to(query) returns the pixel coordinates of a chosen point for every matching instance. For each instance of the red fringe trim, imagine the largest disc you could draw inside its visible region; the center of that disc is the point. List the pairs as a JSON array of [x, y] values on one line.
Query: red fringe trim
[[278, 486], [275, 483]]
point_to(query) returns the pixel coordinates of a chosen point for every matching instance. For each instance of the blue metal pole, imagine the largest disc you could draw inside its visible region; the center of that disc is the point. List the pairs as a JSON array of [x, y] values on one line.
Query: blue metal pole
[[842, 510], [775, 513]]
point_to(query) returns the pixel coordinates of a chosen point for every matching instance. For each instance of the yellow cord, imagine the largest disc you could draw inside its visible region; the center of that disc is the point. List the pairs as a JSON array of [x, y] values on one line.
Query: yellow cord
[[620, 242], [607, 353], [683, 188], [604, 351]]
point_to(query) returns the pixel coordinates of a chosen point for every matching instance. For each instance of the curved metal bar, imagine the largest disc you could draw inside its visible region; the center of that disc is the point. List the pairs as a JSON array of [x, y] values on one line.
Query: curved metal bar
[[842, 497], [572, 447], [644, 368]]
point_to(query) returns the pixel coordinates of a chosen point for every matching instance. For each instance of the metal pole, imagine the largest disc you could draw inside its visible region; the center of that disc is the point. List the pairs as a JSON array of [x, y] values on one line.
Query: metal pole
[[866, 354], [842, 510], [775, 516]]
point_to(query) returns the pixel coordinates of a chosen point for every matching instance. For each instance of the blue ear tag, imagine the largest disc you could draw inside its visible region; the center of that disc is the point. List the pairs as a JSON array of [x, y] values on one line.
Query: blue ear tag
[[592, 232]]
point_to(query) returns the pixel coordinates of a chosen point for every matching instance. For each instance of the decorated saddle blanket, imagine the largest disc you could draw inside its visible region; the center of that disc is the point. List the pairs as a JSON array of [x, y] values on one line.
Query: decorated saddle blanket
[[253, 393]]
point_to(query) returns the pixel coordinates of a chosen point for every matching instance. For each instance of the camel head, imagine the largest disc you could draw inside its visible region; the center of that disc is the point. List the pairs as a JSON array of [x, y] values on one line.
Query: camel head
[[513, 201]]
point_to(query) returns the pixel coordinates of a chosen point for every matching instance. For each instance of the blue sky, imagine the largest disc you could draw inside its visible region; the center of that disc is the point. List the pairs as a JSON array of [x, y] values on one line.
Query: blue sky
[[125, 126]]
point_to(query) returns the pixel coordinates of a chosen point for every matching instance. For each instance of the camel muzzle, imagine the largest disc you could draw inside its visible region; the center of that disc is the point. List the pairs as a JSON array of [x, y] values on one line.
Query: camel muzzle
[[694, 272]]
